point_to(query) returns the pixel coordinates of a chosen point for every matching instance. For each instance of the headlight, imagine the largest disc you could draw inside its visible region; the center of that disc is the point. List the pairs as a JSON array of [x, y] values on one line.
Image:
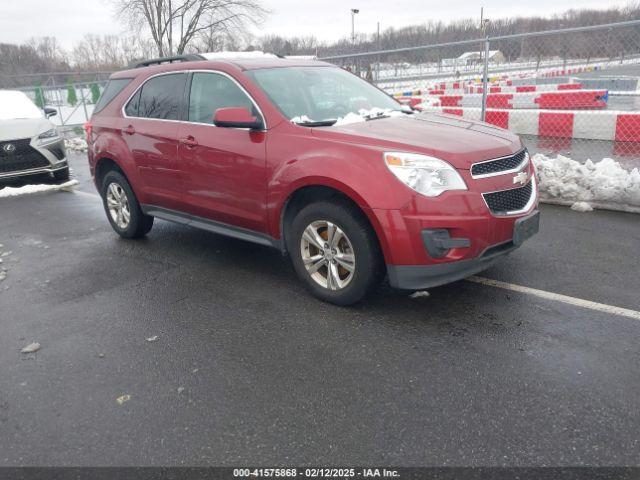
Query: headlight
[[426, 175], [49, 134]]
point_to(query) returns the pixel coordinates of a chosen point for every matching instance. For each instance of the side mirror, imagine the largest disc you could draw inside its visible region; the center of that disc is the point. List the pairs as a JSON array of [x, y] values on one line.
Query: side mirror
[[50, 112], [236, 117]]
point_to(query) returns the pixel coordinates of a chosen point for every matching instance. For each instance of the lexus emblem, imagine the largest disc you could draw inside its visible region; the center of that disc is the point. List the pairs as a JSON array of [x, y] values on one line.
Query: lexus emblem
[[9, 147], [521, 178]]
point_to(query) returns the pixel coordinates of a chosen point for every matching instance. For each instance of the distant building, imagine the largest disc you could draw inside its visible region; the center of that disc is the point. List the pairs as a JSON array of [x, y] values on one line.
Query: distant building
[[470, 58], [473, 58]]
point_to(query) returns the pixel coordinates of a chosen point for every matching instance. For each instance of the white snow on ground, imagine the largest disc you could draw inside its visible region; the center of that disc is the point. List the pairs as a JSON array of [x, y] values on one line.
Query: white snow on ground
[[604, 184], [69, 115], [75, 144], [364, 115], [582, 207], [28, 189]]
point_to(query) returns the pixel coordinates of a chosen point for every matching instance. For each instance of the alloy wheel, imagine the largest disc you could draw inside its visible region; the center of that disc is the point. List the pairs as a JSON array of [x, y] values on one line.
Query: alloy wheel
[[118, 205], [328, 255]]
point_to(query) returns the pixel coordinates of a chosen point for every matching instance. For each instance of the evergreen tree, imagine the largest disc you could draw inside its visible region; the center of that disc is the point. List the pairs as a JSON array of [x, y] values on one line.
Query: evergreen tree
[[72, 99], [369, 75], [39, 96], [95, 93]]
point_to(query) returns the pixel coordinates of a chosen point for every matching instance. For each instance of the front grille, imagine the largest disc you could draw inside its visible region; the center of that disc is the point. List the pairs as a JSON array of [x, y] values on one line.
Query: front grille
[[498, 165], [509, 200], [22, 157]]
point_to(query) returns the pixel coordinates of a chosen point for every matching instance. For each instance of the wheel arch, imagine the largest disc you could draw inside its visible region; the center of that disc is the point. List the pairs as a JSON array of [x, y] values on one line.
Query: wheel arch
[[103, 166], [325, 189]]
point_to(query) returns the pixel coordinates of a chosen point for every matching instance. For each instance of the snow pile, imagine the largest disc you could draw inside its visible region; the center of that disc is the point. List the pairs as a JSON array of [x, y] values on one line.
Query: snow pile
[[243, 55], [301, 119], [582, 207], [604, 184], [28, 189], [15, 104], [363, 115], [75, 144]]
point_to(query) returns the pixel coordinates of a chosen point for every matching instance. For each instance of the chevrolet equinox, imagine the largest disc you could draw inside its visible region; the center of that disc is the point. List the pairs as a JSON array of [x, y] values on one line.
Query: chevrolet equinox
[[306, 157]]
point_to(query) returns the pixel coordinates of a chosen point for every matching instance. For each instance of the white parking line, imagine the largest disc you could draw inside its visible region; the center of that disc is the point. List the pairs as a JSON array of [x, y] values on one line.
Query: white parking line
[[578, 302], [87, 194]]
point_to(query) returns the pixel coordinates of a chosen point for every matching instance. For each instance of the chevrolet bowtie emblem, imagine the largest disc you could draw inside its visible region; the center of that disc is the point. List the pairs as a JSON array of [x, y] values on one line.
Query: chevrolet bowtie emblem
[[521, 178]]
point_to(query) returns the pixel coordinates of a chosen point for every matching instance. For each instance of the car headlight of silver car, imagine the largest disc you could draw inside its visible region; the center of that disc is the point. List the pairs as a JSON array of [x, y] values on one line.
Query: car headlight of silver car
[[49, 135], [426, 175]]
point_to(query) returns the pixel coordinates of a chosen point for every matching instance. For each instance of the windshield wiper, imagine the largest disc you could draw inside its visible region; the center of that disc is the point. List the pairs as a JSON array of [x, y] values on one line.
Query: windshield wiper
[[387, 114], [317, 123]]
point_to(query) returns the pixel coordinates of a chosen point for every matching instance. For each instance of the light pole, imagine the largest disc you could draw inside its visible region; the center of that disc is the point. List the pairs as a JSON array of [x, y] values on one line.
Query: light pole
[[353, 24]]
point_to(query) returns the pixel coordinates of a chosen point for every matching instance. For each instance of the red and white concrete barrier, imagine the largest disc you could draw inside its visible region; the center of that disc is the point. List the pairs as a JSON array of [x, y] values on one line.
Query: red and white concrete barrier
[[570, 99], [622, 126], [525, 88]]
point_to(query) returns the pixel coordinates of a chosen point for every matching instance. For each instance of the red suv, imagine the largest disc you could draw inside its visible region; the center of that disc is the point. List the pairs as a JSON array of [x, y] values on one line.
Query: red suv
[[304, 156]]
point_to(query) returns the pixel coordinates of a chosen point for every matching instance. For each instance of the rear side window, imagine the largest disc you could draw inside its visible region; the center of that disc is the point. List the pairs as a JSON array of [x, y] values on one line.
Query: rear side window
[[113, 88], [160, 97], [211, 91]]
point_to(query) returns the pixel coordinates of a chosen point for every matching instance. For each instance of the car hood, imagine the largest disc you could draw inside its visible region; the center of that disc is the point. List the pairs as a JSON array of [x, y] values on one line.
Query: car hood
[[458, 141], [23, 128]]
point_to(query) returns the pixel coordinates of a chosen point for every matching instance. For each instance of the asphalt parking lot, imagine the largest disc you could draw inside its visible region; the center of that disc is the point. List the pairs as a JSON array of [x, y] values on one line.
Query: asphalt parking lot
[[249, 369]]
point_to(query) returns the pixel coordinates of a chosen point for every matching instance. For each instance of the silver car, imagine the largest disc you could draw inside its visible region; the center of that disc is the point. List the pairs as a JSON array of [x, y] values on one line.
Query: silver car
[[29, 143]]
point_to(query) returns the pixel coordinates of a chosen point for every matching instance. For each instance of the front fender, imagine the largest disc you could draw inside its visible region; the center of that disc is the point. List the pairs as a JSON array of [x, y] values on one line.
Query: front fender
[[356, 171]]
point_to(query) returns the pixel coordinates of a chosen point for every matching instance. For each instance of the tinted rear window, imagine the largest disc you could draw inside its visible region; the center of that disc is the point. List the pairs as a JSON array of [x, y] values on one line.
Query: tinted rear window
[[160, 97], [113, 88]]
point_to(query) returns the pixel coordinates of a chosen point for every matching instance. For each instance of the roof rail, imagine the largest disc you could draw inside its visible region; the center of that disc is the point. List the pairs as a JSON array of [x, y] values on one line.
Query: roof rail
[[177, 58]]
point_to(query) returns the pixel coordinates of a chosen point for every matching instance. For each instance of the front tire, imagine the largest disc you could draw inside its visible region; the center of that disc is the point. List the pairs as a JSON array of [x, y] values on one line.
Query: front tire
[[122, 207], [335, 252]]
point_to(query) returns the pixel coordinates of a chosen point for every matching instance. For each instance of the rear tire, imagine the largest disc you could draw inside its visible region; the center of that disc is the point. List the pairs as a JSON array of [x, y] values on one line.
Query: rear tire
[[335, 252], [122, 207]]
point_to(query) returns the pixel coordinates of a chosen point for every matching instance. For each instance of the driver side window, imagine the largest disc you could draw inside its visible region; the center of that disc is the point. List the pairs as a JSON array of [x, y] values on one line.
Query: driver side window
[[210, 91]]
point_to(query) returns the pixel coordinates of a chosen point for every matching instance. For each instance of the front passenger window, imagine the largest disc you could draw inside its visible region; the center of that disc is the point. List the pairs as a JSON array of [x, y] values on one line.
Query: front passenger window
[[211, 91]]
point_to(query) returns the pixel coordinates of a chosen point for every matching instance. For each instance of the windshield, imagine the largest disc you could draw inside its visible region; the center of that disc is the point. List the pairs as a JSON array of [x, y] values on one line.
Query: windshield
[[15, 104], [322, 96]]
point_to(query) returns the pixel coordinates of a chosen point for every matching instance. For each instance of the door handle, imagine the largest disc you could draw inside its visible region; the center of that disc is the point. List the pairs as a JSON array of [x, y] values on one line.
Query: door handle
[[189, 141], [129, 130]]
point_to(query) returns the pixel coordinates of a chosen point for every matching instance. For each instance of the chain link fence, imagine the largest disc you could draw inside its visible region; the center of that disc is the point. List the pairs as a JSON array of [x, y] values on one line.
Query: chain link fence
[[72, 95], [571, 91]]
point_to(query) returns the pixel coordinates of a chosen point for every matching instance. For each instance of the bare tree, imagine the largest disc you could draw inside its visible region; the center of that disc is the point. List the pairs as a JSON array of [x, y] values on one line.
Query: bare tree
[[110, 52], [174, 24]]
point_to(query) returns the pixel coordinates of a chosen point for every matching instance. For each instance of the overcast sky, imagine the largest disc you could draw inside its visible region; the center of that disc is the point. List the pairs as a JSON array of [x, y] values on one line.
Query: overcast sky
[[69, 20]]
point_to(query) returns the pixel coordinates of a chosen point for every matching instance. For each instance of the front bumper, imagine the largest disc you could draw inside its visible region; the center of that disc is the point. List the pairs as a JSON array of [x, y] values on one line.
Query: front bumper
[[416, 277], [34, 171], [33, 159]]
